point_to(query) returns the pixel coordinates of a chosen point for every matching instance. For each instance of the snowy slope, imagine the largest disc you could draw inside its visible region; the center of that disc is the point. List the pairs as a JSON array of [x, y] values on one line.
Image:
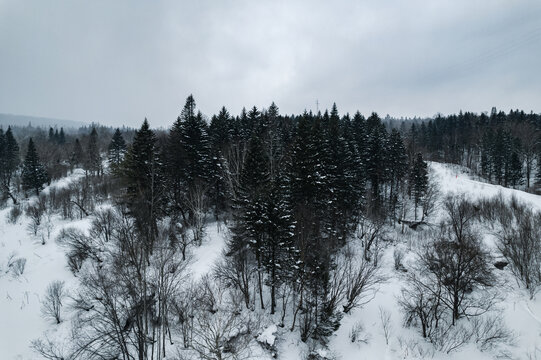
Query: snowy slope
[[20, 306], [453, 179], [21, 320], [522, 316]]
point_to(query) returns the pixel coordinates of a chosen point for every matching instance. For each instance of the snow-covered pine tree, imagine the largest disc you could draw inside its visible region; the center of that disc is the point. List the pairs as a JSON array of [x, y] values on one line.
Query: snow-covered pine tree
[[418, 180], [141, 174], [33, 173], [116, 150], [93, 157]]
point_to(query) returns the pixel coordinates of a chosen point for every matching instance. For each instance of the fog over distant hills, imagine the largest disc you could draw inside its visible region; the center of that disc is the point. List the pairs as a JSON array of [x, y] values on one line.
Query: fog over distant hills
[[23, 120]]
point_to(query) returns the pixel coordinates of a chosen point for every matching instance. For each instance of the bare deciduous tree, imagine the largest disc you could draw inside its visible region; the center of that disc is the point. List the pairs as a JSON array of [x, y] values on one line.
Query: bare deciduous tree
[[361, 280], [238, 270], [35, 213], [221, 331], [197, 206], [102, 224], [370, 230], [52, 303], [460, 268], [429, 202], [521, 246], [48, 349], [421, 305], [385, 318]]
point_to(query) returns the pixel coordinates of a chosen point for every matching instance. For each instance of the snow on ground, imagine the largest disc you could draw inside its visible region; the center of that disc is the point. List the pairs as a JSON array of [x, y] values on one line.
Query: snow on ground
[[267, 336], [76, 175], [206, 255], [454, 179], [20, 297], [21, 320], [521, 315]]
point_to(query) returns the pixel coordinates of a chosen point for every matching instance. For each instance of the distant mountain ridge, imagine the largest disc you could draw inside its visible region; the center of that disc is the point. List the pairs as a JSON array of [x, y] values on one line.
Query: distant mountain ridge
[[36, 121]]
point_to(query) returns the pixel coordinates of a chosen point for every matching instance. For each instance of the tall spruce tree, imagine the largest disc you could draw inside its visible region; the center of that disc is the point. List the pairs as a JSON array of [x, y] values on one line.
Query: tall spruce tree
[[341, 198], [51, 134], [516, 176], [418, 180], [278, 251], [143, 181], [220, 139], [93, 157], [187, 157], [116, 150], [9, 161], [375, 159], [61, 137], [397, 163], [195, 144], [77, 155], [2, 162], [174, 167], [250, 218], [33, 174]]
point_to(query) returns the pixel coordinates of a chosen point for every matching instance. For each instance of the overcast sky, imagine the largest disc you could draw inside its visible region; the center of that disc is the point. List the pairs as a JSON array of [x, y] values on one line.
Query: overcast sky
[[118, 62]]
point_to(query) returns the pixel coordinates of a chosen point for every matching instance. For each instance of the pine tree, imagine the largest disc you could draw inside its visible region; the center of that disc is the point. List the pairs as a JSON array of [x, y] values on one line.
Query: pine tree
[[61, 137], [278, 251], [307, 188], [143, 181], [397, 163], [359, 134], [9, 157], [117, 150], [93, 158], [187, 157], [195, 143], [418, 180], [253, 122], [51, 134], [174, 167], [245, 125], [33, 173], [375, 159], [220, 130], [77, 155], [271, 137], [250, 220], [220, 139], [2, 161], [538, 174], [307, 178], [341, 199], [516, 164], [486, 159]]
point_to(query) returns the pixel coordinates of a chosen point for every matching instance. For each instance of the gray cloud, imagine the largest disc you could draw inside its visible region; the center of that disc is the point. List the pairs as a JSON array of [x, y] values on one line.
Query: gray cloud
[[119, 61]]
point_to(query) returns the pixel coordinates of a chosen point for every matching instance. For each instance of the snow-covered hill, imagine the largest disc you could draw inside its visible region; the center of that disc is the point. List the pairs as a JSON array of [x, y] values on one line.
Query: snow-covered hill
[[20, 296]]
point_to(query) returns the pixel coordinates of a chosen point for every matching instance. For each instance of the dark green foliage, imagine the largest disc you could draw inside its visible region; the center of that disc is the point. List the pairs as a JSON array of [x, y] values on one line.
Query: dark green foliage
[[220, 140], [418, 180], [93, 157], [9, 161], [187, 157], [375, 159], [144, 187], [77, 155], [117, 150], [33, 173], [61, 137], [397, 163], [499, 146]]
